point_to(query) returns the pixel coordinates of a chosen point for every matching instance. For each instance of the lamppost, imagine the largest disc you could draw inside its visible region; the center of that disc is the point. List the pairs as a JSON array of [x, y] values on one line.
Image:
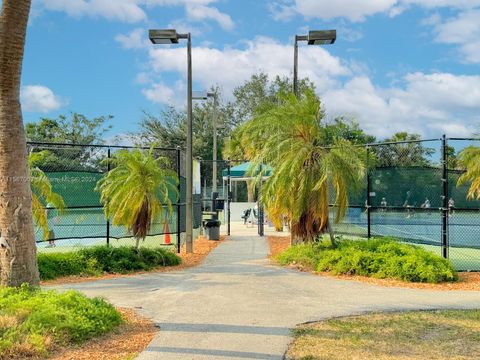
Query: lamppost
[[314, 37], [170, 36], [204, 95]]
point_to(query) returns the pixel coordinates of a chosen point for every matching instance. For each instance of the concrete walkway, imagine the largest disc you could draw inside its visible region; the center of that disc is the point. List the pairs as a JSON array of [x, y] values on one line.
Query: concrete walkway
[[238, 306]]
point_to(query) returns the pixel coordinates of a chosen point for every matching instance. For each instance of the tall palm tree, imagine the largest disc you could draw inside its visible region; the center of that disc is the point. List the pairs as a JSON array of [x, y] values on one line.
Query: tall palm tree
[[291, 139], [469, 158], [18, 261], [43, 195], [134, 191], [236, 149]]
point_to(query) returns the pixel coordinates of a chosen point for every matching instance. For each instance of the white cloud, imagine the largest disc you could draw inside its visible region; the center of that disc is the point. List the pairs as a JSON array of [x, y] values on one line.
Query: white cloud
[[159, 93], [133, 11], [230, 67], [202, 12], [38, 98], [136, 39], [429, 104], [355, 10], [462, 30], [121, 10]]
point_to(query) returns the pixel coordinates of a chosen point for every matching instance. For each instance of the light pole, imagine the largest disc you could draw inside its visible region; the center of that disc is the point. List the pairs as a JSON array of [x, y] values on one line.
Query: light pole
[[170, 36], [214, 126], [314, 37], [204, 96]]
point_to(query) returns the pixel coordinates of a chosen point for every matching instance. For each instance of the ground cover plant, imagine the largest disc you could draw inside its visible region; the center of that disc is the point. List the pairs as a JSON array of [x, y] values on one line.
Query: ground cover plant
[[451, 334], [34, 323], [379, 258], [103, 259]]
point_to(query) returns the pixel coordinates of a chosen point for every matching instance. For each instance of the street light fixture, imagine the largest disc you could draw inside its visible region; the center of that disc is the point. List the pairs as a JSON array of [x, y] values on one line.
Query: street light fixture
[[314, 37], [170, 36]]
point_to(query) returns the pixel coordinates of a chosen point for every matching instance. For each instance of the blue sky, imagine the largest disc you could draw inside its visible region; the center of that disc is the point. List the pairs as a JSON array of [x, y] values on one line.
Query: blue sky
[[410, 65]]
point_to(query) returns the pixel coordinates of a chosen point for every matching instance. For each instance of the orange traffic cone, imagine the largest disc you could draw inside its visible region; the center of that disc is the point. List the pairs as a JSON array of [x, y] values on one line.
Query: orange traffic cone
[[166, 231]]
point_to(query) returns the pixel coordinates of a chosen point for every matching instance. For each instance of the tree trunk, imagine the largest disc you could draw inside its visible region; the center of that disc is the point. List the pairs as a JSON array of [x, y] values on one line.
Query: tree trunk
[[250, 191], [332, 235], [18, 260]]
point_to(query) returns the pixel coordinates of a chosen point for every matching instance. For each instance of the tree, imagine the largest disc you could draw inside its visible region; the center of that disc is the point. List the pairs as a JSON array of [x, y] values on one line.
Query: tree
[[260, 94], [291, 139], [42, 194], [255, 97], [348, 129], [134, 191], [469, 158], [73, 129], [169, 130], [18, 261], [407, 154]]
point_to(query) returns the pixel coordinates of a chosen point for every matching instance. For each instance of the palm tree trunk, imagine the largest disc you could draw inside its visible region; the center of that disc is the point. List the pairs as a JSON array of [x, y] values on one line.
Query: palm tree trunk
[[332, 235], [18, 261], [250, 191]]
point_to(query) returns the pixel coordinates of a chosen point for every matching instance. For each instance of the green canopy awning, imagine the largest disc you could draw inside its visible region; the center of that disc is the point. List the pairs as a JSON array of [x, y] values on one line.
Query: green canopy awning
[[245, 171]]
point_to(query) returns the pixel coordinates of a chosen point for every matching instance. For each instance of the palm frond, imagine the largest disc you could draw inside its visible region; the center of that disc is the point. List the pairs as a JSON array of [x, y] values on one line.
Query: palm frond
[[136, 189]]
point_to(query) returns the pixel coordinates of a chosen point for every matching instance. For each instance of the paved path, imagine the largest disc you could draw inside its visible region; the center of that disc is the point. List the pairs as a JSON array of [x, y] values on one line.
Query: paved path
[[238, 306]]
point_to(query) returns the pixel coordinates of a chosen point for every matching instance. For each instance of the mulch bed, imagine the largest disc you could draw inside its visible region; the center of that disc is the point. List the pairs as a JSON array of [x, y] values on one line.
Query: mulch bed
[[201, 248], [467, 280], [125, 342]]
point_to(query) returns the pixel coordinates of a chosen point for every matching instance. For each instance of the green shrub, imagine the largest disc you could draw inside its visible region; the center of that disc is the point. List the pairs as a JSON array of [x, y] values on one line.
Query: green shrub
[[124, 259], [103, 259], [33, 321], [55, 265], [380, 258]]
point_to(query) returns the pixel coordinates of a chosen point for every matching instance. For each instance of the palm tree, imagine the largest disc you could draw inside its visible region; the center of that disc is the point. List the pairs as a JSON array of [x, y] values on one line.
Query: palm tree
[[18, 260], [291, 138], [43, 195], [469, 158], [235, 148], [134, 191]]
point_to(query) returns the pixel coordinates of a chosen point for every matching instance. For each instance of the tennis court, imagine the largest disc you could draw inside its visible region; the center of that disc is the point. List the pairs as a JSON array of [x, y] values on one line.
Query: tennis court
[[422, 228], [88, 227]]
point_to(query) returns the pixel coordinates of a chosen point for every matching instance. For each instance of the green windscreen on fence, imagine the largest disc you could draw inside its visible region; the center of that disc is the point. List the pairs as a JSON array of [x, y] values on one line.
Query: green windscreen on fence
[[74, 171]]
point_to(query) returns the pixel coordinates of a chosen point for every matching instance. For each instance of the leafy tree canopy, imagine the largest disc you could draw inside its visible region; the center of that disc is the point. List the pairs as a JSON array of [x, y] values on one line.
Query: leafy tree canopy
[[408, 154], [73, 129]]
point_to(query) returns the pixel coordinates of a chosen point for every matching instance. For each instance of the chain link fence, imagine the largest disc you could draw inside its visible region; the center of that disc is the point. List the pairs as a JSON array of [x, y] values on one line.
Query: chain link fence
[[73, 171], [411, 194]]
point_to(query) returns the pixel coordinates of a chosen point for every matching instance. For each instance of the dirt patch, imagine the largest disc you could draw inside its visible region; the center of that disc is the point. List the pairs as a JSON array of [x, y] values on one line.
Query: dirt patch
[[277, 244], [467, 280], [201, 248], [125, 342]]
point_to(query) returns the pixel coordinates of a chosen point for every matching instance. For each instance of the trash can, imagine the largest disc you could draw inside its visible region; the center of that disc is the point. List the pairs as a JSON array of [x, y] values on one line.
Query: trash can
[[212, 229]]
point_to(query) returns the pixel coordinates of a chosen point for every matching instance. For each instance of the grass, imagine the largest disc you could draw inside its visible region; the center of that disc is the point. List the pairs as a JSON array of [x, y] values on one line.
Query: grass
[[34, 323], [452, 334], [379, 258], [97, 260]]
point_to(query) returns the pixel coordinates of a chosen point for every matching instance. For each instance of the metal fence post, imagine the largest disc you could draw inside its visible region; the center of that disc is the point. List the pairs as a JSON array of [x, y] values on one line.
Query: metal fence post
[[228, 197], [368, 204], [445, 209], [260, 205], [179, 199], [108, 220]]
